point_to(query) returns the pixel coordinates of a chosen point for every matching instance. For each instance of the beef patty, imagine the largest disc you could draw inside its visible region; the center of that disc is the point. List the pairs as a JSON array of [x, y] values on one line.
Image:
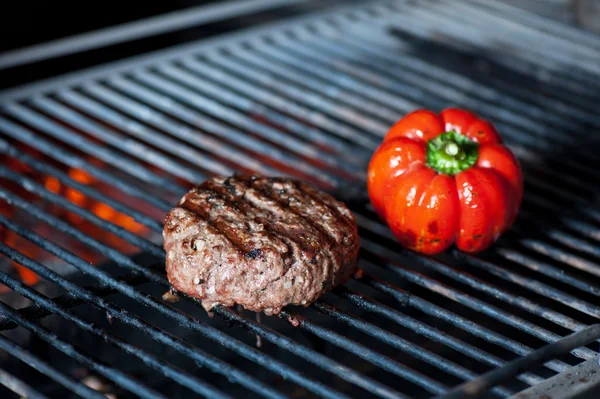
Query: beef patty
[[259, 242]]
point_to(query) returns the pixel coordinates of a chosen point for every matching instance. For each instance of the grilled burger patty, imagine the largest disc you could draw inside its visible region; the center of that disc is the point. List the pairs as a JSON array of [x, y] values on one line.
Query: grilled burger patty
[[260, 242]]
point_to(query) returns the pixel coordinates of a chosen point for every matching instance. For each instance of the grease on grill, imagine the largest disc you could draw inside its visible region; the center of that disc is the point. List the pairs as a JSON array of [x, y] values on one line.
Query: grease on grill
[[171, 296]]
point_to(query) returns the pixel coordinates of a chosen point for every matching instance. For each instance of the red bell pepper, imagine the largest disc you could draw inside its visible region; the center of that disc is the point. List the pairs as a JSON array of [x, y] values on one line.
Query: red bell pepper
[[443, 179]]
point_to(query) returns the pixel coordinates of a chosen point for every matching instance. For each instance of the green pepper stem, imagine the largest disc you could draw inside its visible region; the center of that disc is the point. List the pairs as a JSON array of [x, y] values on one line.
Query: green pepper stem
[[451, 153], [452, 149]]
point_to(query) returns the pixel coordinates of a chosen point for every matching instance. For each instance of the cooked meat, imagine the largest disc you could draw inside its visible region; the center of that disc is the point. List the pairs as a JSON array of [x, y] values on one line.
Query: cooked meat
[[259, 242]]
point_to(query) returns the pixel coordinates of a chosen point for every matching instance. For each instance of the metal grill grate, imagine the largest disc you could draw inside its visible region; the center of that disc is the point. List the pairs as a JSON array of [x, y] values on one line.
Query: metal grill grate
[[310, 99]]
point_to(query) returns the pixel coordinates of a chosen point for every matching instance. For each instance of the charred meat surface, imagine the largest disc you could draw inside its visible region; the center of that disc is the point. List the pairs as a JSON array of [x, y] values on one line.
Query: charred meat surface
[[260, 242]]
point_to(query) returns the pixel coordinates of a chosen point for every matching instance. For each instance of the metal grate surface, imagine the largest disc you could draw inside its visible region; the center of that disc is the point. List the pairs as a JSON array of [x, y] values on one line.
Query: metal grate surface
[[310, 99]]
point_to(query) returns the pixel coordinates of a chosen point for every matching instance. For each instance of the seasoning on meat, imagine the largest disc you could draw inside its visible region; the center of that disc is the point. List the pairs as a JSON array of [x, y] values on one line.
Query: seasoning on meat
[[259, 242]]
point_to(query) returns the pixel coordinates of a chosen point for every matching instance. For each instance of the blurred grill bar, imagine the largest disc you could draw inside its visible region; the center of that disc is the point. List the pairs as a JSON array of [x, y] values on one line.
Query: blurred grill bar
[[312, 99], [19, 386]]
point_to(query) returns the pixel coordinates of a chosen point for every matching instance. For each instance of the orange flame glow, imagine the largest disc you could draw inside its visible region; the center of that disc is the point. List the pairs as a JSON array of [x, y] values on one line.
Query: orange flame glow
[[98, 208]]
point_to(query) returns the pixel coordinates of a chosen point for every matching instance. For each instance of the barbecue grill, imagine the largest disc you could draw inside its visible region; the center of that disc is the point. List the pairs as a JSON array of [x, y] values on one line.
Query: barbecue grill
[[92, 161]]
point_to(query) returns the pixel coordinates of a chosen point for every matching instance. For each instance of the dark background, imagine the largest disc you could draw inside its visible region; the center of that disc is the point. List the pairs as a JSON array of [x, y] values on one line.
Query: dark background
[[23, 23]]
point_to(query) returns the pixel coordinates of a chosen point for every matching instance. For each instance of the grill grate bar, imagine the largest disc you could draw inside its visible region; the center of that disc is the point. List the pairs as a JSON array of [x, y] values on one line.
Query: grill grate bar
[[466, 57], [174, 373], [576, 56], [25, 204], [555, 253], [542, 24], [387, 105], [270, 73], [435, 94], [112, 137], [67, 301], [19, 387], [65, 179], [365, 41], [582, 208], [569, 241], [382, 361], [353, 47], [406, 299], [583, 205], [107, 155], [261, 83], [551, 271], [476, 387], [313, 100], [424, 355], [526, 59], [111, 373], [186, 110], [322, 51], [185, 113], [182, 319], [530, 107], [310, 355], [519, 101], [243, 104], [564, 238], [430, 332], [371, 117], [476, 304], [281, 111], [316, 154], [438, 266], [580, 227], [521, 302], [464, 277], [153, 278], [47, 148], [535, 286], [63, 227], [35, 188], [43, 367], [192, 136], [139, 131], [209, 106]]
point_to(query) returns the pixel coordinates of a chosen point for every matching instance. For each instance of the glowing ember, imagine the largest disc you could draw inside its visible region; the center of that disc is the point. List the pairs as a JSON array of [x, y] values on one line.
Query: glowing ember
[[76, 197]]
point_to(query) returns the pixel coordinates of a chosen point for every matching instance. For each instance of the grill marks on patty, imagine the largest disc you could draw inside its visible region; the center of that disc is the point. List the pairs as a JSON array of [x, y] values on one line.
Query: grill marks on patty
[[304, 243], [311, 217], [288, 242], [313, 229], [219, 227]]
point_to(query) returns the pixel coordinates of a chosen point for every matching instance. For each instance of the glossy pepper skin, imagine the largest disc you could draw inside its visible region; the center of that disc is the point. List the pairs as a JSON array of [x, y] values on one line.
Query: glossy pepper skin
[[443, 179]]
